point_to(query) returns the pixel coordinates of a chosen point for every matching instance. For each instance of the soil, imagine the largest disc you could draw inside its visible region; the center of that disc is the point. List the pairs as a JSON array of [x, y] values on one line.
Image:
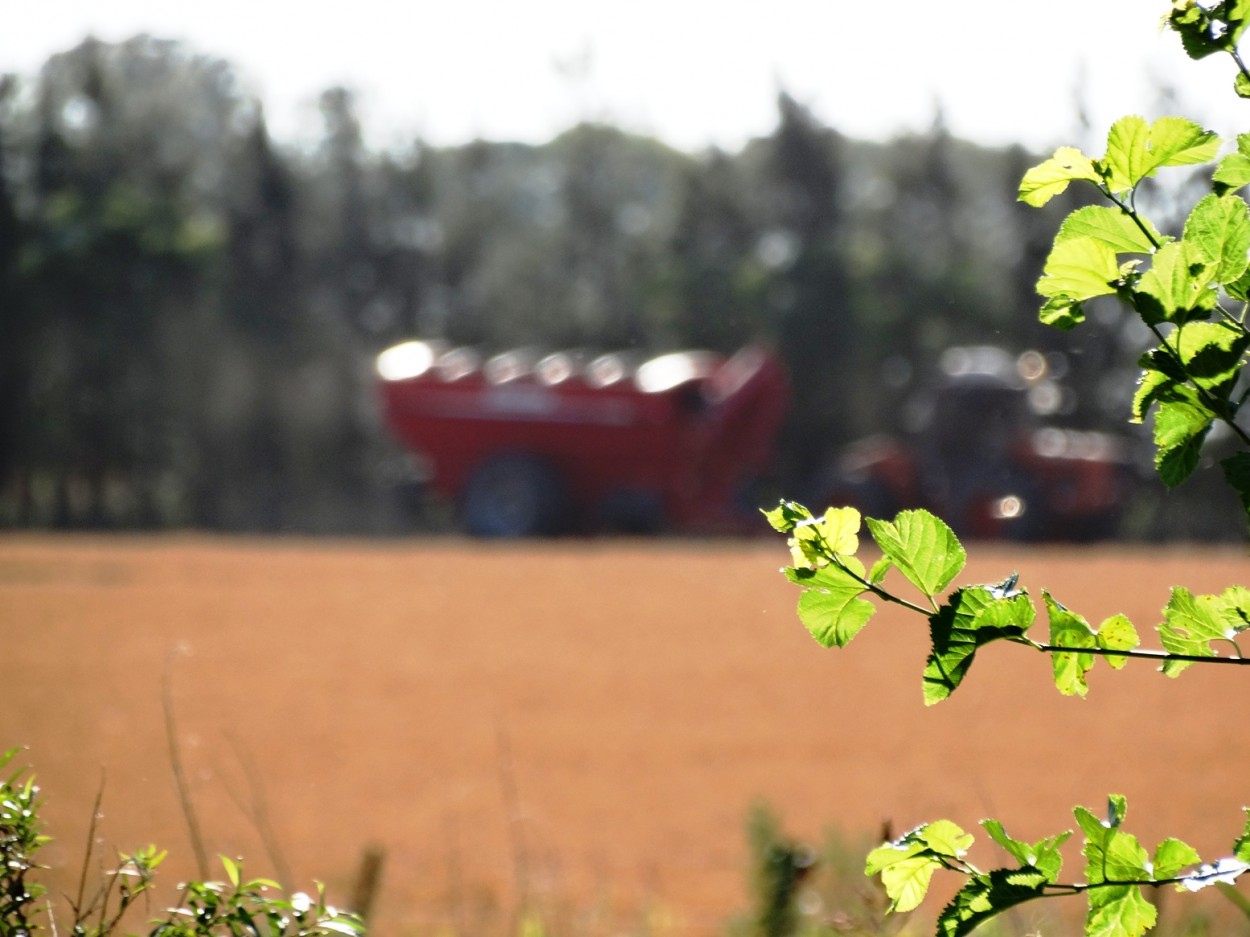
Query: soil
[[579, 723]]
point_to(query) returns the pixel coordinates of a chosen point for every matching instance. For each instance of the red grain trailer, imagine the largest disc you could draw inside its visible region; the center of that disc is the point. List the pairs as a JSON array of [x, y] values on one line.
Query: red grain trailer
[[527, 444]]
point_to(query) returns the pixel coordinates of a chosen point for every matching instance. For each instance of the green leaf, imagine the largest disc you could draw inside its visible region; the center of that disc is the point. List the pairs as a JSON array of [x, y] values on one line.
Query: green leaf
[[1151, 385], [1114, 856], [1205, 31], [1233, 171], [1062, 313], [1044, 855], [830, 607], [1078, 269], [786, 515], [1192, 622], [1241, 846], [876, 575], [1171, 856], [921, 547], [906, 866], [840, 530], [1239, 289], [1241, 85], [1050, 178], [1117, 634], [1177, 285], [972, 618], [815, 540], [1180, 428], [907, 877], [1067, 629], [986, 895], [1112, 227], [1119, 911], [945, 838], [232, 870], [1218, 229], [1135, 149], [1212, 353]]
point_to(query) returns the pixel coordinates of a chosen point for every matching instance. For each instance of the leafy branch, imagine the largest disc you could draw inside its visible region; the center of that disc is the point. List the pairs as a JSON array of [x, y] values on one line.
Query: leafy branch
[[1180, 287], [835, 604], [1117, 868]]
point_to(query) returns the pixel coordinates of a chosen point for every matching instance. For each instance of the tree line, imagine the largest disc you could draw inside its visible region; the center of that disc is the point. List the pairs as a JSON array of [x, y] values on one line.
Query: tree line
[[189, 311]]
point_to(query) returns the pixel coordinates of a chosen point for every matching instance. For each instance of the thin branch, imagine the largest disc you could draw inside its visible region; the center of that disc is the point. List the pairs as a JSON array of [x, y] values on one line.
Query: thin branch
[[180, 777], [1139, 654], [86, 859], [258, 811]]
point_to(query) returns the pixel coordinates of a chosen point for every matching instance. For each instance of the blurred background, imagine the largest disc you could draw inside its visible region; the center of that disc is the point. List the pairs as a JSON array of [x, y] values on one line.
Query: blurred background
[[212, 224]]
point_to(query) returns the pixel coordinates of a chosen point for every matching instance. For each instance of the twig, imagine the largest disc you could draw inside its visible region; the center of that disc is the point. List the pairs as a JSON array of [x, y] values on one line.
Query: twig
[[367, 881], [258, 813], [175, 763], [86, 859], [512, 808]]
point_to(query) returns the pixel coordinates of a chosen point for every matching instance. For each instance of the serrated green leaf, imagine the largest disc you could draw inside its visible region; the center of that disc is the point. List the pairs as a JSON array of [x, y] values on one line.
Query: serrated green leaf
[[986, 895], [1119, 911], [1112, 855], [922, 547], [1212, 353], [1232, 173], [1218, 230], [1171, 856], [834, 618], [1150, 386], [1193, 23], [1192, 622], [830, 607], [1078, 269], [786, 515], [1068, 629], [1178, 141], [1241, 845], [1181, 427], [906, 871], [972, 618], [1050, 178], [1112, 227], [1239, 289], [1044, 855], [1177, 285], [816, 540], [1117, 634], [945, 838], [1061, 312], [1135, 149], [877, 574]]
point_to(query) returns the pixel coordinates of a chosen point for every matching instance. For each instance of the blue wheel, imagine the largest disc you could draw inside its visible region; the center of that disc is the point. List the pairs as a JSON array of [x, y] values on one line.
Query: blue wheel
[[515, 495]]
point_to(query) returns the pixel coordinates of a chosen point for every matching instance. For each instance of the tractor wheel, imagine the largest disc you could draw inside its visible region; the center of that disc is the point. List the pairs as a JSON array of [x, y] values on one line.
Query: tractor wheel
[[515, 495]]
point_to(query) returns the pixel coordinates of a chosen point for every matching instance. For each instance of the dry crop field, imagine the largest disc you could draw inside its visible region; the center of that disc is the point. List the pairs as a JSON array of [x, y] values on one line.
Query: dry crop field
[[580, 721]]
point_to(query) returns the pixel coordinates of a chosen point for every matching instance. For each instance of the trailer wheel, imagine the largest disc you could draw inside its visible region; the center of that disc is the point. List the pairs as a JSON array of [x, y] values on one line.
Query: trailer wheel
[[514, 495]]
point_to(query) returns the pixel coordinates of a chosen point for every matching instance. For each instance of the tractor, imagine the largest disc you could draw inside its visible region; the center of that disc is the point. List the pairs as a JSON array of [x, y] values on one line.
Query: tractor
[[980, 453]]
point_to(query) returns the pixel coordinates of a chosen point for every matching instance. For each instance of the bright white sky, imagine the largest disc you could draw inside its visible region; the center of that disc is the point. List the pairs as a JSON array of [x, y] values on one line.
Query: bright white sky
[[692, 72]]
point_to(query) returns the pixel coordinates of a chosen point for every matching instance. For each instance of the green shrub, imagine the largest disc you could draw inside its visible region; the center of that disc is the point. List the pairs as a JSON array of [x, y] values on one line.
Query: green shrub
[[236, 907]]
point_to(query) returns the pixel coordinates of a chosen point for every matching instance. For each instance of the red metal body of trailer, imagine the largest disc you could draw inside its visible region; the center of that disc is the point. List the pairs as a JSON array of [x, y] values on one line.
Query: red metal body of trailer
[[528, 444]]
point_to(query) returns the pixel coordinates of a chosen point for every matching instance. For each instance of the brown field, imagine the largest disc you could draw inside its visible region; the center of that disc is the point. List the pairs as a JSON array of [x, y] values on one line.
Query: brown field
[[584, 721]]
